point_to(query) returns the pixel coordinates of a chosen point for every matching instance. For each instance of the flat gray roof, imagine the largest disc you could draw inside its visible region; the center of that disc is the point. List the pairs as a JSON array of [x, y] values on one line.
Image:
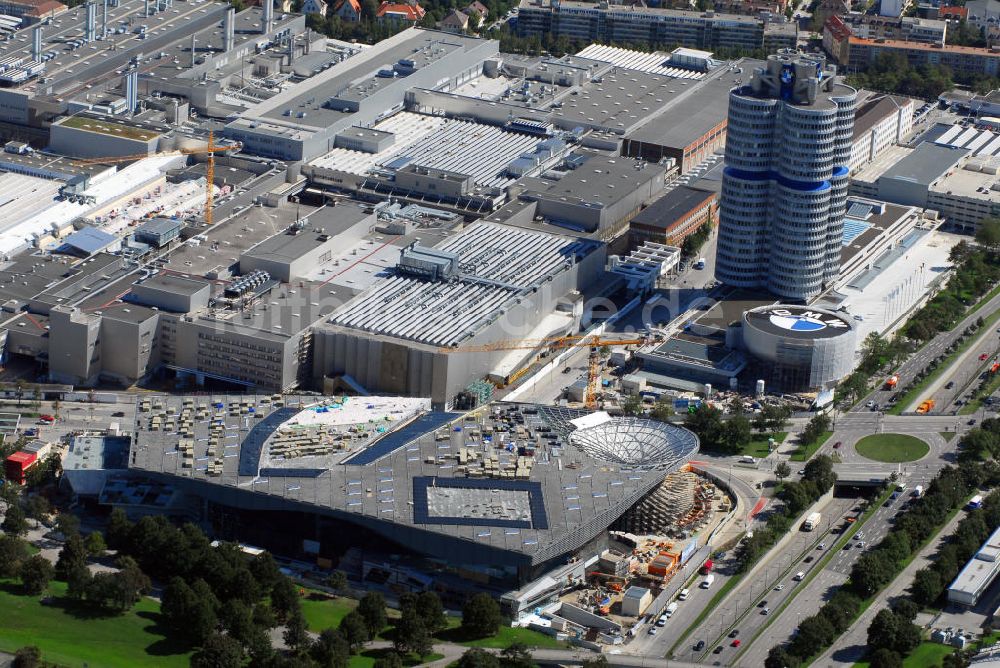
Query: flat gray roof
[[926, 164], [317, 229], [172, 283]]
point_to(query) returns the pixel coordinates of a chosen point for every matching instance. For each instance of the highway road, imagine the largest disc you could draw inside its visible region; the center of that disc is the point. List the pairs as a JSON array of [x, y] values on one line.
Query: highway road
[[933, 349], [852, 645]]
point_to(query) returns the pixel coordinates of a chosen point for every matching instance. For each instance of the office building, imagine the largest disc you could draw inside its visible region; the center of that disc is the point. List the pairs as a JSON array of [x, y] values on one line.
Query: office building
[[784, 190]]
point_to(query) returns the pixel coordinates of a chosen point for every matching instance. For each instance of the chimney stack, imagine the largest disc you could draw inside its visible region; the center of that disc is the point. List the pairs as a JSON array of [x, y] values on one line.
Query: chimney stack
[[36, 44], [131, 89], [91, 20], [194, 47], [228, 30], [104, 21], [268, 16]]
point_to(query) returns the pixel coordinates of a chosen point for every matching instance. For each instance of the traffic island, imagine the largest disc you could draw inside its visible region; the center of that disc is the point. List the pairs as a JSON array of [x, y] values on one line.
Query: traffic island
[[892, 448]]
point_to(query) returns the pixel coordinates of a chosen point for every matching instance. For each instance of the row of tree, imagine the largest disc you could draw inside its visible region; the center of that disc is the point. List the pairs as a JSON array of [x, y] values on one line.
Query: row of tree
[[880, 565], [892, 73]]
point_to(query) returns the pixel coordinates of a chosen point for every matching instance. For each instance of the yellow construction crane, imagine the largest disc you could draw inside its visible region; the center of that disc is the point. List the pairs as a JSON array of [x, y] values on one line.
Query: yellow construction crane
[[211, 149], [557, 343]]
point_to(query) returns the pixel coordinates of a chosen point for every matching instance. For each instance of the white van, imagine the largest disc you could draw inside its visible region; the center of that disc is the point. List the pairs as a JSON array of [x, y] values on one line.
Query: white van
[[683, 596], [799, 577]]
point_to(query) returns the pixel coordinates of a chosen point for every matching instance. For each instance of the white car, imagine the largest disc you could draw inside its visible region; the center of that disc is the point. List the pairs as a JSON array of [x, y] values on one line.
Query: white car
[[779, 587], [652, 631]]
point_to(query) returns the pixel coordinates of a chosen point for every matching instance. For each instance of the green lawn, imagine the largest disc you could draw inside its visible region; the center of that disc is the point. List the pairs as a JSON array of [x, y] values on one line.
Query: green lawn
[[926, 655], [505, 637], [947, 435], [892, 448], [322, 612], [758, 447], [805, 452], [73, 638]]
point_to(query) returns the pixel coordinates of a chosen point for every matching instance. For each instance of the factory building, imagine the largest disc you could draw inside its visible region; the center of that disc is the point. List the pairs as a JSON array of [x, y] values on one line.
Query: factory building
[[784, 191], [303, 121], [674, 216], [510, 284], [655, 26], [978, 574]]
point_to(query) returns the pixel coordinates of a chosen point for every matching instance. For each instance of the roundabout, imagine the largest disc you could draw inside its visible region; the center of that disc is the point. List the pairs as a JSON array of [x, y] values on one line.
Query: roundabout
[[892, 448]]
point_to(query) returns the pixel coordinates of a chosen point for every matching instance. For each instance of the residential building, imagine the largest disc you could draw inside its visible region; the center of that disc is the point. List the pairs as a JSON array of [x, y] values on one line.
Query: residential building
[[784, 189], [399, 12], [959, 59], [32, 10], [892, 7], [348, 10], [604, 22], [479, 8], [314, 7], [865, 26], [454, 21]]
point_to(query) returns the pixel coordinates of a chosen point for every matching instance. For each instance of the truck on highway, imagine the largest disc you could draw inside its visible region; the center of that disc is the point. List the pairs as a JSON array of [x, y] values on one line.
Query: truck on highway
[[892, 381], [918, 491], [747, 459], [811, 522], [925, 406], [707, 582], [671, 609]]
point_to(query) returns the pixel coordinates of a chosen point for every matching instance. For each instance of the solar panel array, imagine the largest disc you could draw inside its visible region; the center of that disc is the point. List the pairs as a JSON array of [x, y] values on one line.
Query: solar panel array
[[651, 63], [497, 263], [479, 150], [853, 228], [978, 142]]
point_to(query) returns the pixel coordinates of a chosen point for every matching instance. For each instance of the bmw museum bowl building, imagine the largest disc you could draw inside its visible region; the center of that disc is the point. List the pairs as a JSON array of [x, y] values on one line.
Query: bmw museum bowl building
[[807, 348]]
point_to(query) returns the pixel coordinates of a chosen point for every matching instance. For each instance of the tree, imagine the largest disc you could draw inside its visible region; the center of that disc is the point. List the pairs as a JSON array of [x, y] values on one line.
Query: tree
[[632, 405], [68, 524], [27, 657], [296, 634], [354, 630], [190, 615], [886, 658], [37, 507], [782, 470], [96, 547], [412, 634], [431, 611], [662, 411], [389, 660], [516, 656], [78, 582], [772, 417], [237, 619], [883, 630], [372, 608], [780, 657], [597, 662], [988, 234], [478, 658], [118, 529], [72, 555], [331, 649], [264, 570], [36, 573], [481, 616], [218, 651], [815, 631], [14, 522], [818, 424], [13, 551], [337, 581], [284, 598], [927, 586]]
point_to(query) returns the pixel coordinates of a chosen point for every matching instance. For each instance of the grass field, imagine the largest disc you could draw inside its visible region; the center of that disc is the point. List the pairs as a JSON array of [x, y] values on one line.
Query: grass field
[[892, 448], [505, 637], [322, 612], [758, 447], [805, 452], [947, 435], [72, 637], [926, 655]]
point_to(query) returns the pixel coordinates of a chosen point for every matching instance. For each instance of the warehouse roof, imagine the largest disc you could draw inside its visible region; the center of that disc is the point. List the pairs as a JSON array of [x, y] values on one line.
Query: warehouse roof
[[926, 164], [176, 284], [979, 572], [89, 241], [664, 212]]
